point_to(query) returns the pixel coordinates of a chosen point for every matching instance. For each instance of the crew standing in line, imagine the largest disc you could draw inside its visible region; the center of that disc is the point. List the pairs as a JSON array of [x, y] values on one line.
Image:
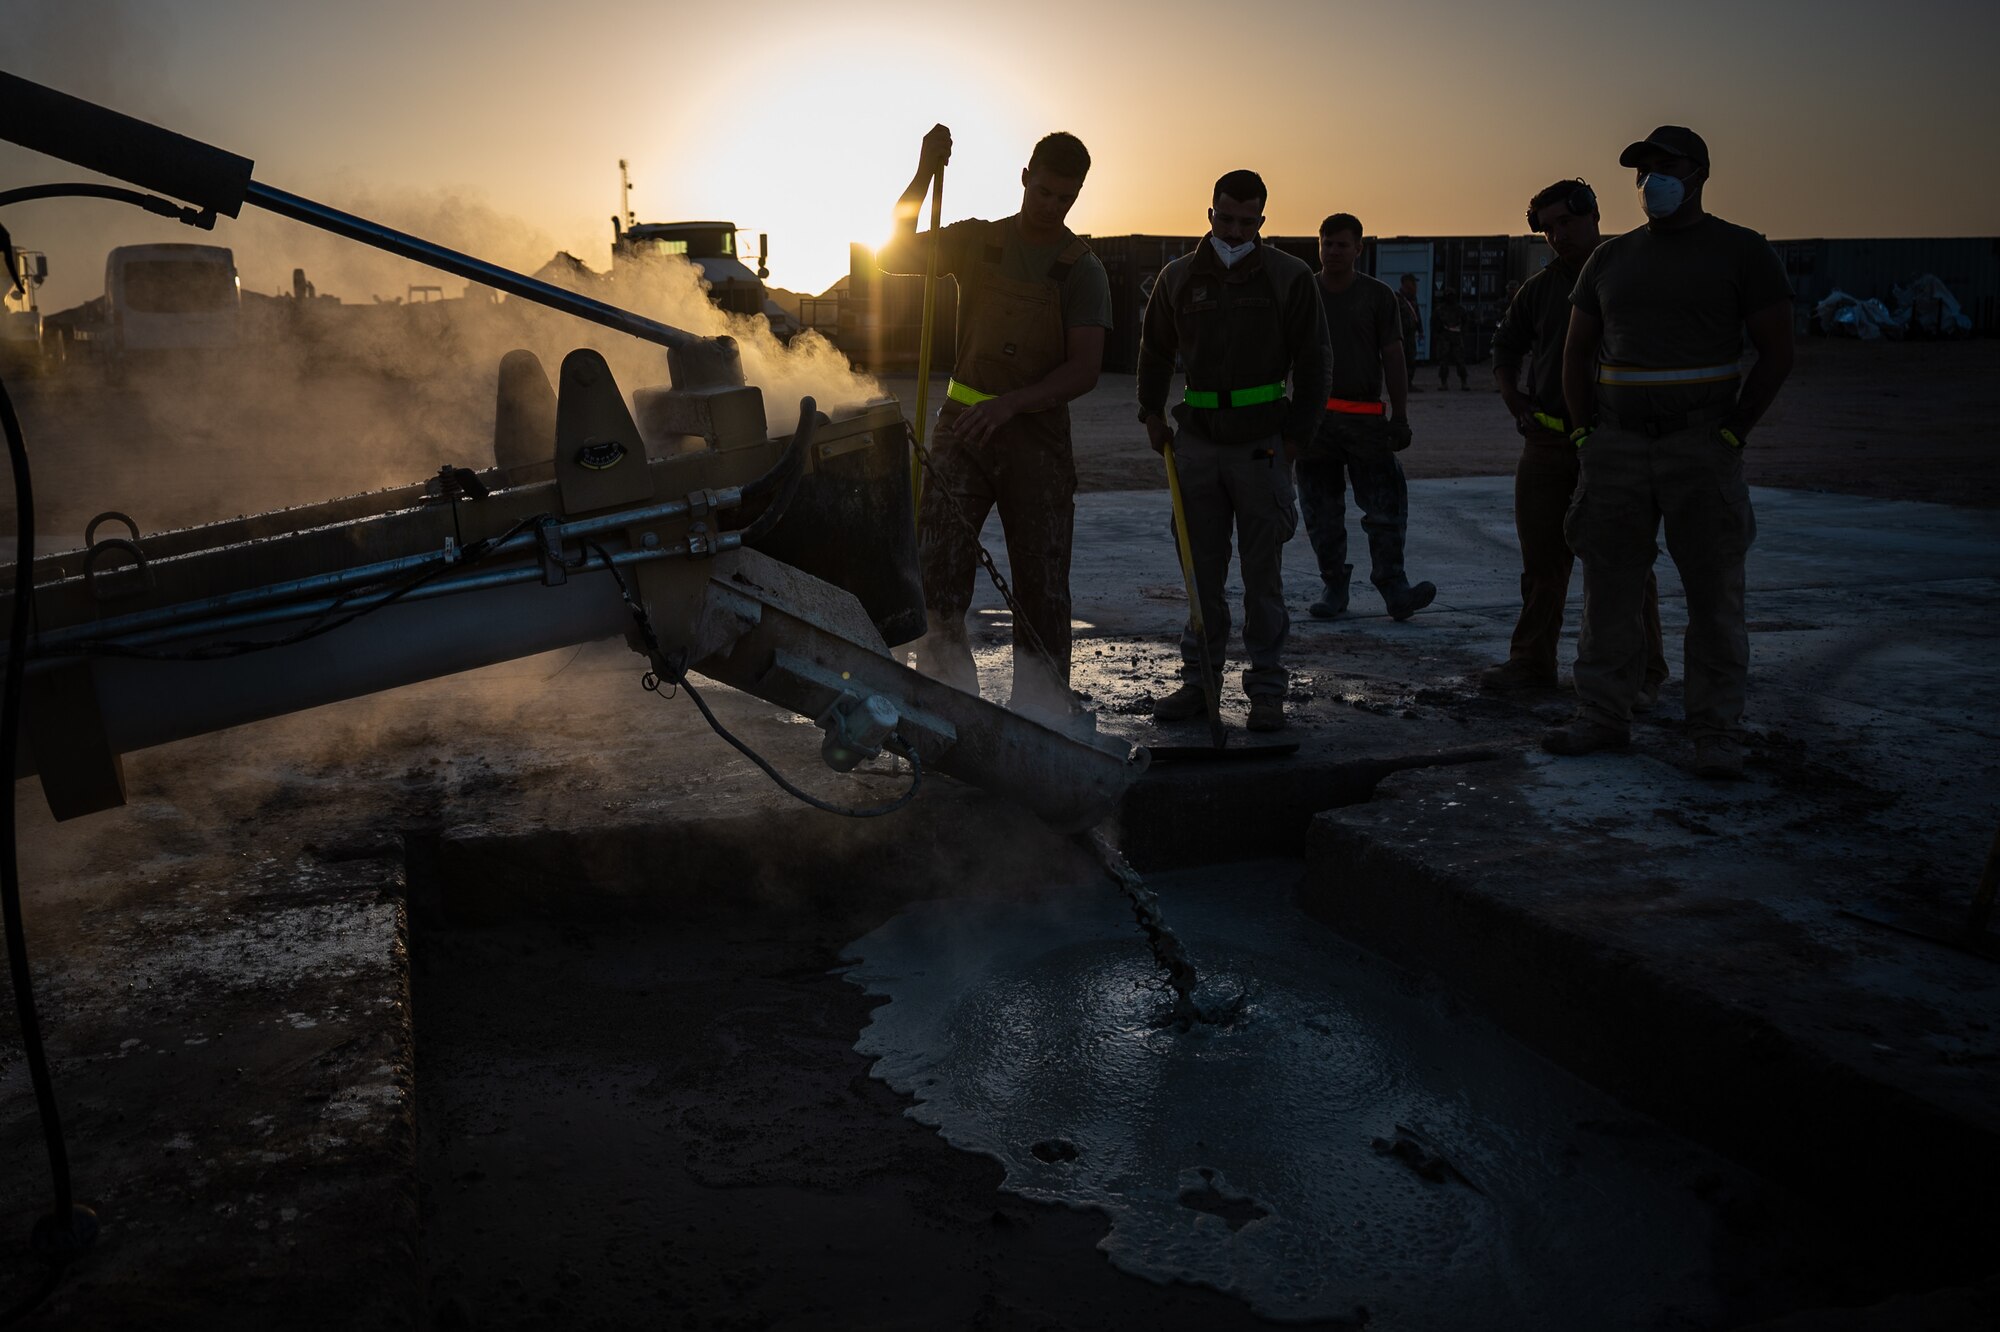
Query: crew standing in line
[[1355, 441], [1660, 411], [1413, 326], [1034, 304], [1243, 318], [1533, 329]]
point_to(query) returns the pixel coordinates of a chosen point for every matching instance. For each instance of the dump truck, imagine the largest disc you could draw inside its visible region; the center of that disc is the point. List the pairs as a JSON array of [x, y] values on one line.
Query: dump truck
[[712, 247]]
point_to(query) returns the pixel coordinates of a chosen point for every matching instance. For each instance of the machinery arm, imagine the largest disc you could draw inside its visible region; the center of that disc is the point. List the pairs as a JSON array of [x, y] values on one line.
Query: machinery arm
[[215, 181], [138, 648]]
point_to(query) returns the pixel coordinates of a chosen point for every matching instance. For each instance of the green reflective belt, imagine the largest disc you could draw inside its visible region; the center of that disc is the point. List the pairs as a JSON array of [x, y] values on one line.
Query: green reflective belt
[[1249, 397], [1555, 423], [971, 397]]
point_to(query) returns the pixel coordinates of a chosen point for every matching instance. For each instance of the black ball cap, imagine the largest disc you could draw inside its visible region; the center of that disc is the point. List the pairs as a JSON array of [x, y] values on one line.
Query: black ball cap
[[1676, 140]]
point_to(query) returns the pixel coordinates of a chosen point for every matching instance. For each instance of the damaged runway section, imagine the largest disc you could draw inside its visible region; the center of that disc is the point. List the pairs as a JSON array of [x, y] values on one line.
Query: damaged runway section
[[1355, 1147]]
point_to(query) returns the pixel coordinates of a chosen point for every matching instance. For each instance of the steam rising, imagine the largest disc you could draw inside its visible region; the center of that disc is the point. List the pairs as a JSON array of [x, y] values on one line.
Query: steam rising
[[470, 333], [355, 387], [325, 397]]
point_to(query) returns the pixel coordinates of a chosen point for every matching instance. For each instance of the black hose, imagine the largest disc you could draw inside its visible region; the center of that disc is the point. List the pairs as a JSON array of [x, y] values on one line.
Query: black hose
[[797, 793], [59, 1234], [675, 676], [152, 203]]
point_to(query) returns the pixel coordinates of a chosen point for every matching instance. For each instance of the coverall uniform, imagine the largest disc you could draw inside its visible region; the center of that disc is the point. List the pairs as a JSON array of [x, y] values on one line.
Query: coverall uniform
[[1017, 303], [1672, 305], [1241, 331], [1534, 327], [1355, 443], [1449, 332]]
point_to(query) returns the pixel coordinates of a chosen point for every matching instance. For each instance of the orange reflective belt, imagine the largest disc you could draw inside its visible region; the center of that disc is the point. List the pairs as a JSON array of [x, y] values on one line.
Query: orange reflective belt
[[1351, 407]]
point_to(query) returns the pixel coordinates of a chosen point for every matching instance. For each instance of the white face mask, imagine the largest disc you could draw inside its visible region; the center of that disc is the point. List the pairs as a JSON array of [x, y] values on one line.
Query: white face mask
[[1229, 254], [1661, 195]]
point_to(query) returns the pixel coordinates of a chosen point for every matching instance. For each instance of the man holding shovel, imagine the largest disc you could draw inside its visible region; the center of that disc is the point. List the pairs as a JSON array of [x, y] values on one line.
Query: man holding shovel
[[1243, 318], [1034, 304]]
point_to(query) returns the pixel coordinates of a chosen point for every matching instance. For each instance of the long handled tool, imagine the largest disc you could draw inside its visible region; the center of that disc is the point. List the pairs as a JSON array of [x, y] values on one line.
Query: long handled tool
[[1211, 681], [924, 346]]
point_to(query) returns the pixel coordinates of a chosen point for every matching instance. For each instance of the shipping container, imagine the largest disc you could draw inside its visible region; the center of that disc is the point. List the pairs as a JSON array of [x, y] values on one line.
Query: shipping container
[[1132, 263], [1526, 256], [1473, 270], [881, 318]]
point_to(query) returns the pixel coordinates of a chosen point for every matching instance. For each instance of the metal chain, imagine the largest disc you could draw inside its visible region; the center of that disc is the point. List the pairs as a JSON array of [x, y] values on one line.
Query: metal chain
[[1022, 628]]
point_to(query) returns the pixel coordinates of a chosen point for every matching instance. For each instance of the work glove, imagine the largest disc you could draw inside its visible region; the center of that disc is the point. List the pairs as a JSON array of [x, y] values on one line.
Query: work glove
[[937, 148], [1399, 435], [1733, 438]]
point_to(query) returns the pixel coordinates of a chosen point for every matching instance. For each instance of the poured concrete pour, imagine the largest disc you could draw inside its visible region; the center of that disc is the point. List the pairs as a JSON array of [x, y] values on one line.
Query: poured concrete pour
[[1352, 1143]]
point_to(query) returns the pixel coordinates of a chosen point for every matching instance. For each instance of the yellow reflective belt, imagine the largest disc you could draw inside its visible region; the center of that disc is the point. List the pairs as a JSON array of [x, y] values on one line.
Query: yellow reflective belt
[[1632, 376], [1244, 397], [1555, 423], [971, 397]]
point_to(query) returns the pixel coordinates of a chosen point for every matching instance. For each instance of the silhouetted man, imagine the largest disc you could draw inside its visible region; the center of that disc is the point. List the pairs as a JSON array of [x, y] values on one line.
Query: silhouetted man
[[1413, 325], [1033, 307], [1243, 319], [1532, 330], [1357, 441], [1660, 410]]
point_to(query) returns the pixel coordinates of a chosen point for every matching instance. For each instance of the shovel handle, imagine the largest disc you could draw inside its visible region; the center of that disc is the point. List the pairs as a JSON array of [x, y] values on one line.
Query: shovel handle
[[924, 346]]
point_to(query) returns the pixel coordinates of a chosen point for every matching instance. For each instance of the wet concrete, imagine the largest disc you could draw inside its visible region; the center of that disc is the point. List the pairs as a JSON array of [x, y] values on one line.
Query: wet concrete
[[1355, 1147], [640, 1116]]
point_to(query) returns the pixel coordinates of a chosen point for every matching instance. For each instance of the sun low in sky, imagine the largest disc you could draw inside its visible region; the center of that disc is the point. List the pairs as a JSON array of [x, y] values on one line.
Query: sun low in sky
[[507, 119]]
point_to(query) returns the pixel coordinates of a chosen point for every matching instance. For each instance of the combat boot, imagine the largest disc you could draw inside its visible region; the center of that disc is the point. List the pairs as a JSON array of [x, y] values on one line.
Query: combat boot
[[1333, 596], [1266, 714], [1184, 703], [1404, 600]]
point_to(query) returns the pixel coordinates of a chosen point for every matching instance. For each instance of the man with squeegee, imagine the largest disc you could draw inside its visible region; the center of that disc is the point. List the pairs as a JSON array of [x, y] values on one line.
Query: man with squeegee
[[1243, 319]]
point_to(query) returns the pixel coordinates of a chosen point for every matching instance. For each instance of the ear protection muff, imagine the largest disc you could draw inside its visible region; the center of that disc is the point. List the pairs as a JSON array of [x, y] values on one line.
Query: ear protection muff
[[1582, 201]]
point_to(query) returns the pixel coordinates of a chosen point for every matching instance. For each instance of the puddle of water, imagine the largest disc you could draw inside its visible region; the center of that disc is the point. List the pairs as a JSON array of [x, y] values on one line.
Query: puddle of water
[[1352, 1143]]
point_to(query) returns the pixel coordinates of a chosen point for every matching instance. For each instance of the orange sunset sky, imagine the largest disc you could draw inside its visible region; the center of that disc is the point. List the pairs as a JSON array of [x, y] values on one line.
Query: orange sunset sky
[[499, 125]]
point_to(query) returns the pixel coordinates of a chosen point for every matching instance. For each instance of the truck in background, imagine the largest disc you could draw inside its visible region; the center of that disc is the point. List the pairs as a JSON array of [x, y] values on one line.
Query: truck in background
[[26, 345], [159, 301], [712, 247]]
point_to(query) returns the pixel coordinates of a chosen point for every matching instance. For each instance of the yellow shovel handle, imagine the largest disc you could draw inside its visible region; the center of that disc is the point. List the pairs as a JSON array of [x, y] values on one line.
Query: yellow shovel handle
[[924, 347], [1181, 540]]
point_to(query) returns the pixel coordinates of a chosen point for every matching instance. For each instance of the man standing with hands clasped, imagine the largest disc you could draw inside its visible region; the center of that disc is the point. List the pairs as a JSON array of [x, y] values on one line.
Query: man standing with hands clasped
[[1660, 411], [1536, 322], [1243, 319]]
